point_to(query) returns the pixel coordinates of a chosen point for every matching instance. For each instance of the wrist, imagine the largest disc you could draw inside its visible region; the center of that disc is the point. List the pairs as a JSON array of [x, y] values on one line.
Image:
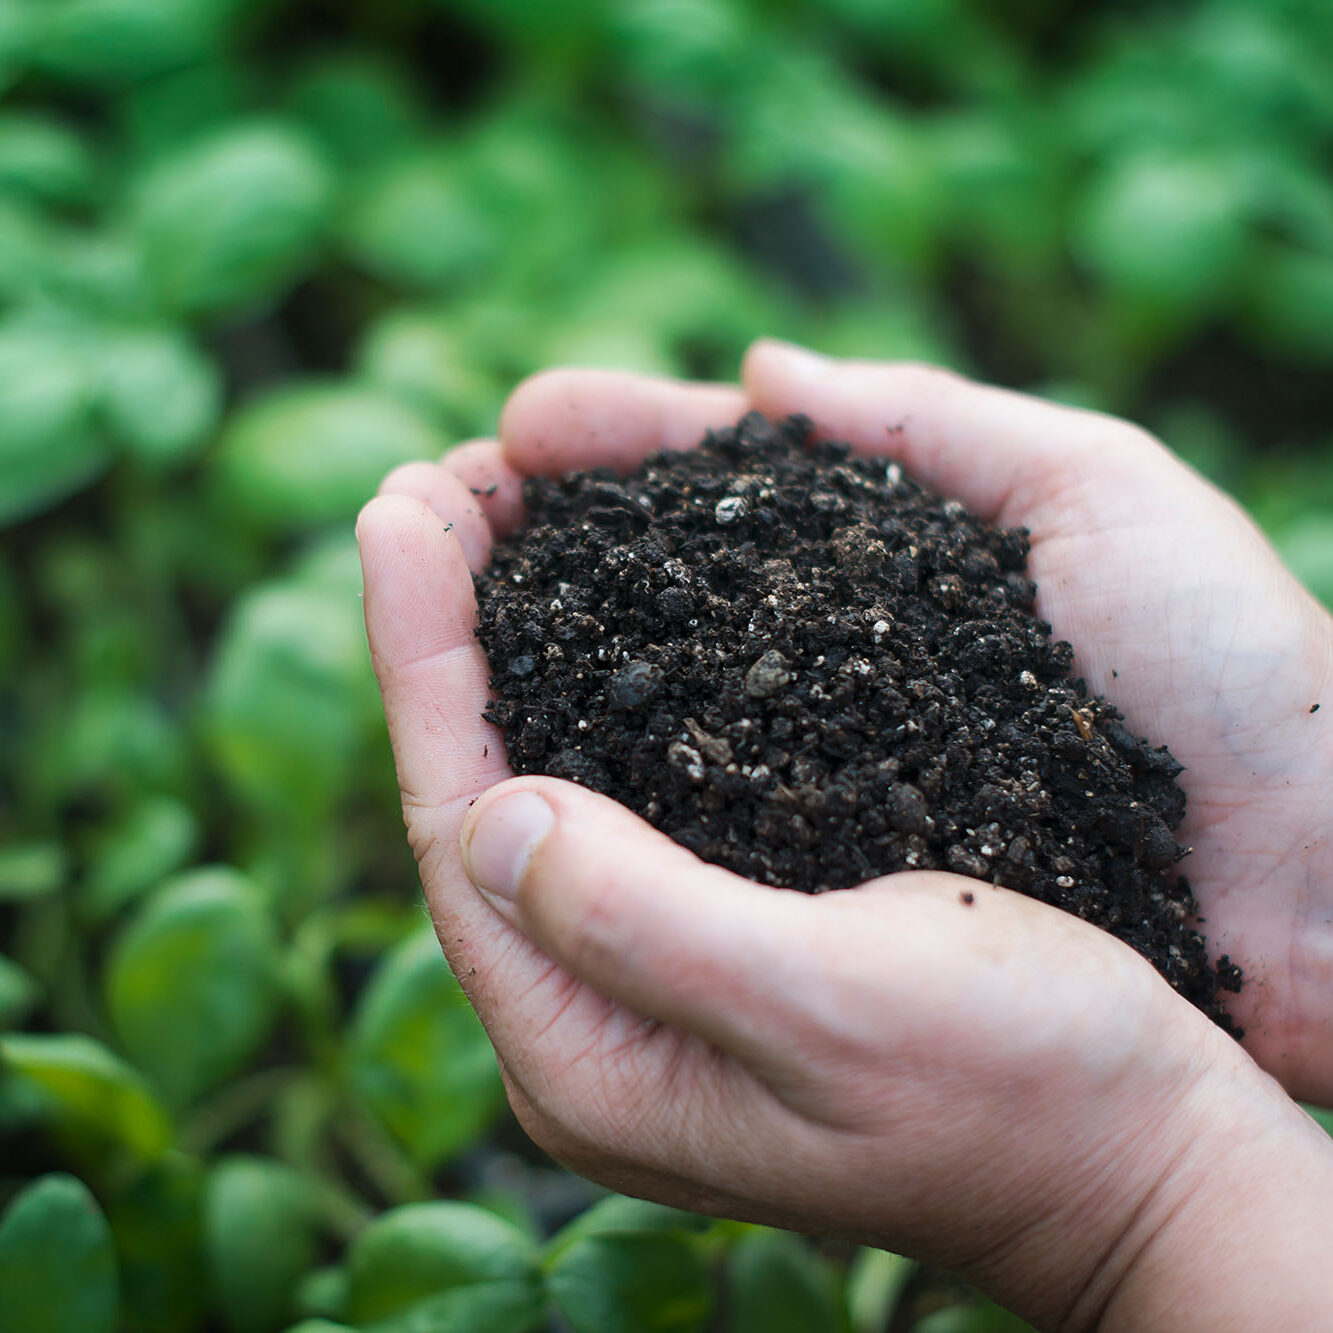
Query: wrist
[[1243, 1187], [1201, 1178]]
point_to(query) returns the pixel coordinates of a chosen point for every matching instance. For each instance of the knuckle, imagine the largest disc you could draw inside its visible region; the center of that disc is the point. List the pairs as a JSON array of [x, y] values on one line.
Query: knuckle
[[425, 843]]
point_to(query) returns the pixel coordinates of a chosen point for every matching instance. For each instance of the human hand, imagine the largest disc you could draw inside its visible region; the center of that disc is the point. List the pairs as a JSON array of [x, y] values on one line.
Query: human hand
[[1000, 1087], [1183, 616]]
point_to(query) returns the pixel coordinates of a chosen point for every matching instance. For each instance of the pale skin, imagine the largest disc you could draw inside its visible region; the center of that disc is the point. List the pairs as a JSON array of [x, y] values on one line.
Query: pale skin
[[996, 1087]]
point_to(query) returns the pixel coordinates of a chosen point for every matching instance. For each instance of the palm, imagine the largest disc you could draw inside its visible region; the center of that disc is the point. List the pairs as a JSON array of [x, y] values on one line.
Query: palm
[[811, 1077], [1156, 580], [775, 1053], [1182, 616]]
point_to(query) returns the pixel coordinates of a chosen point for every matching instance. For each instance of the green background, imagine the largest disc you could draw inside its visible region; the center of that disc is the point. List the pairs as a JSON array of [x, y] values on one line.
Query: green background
[[253, 253]]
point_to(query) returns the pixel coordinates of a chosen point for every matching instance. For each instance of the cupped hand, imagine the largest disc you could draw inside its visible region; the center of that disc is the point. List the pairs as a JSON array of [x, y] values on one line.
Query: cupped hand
[[994, 1086], [1183, 616]]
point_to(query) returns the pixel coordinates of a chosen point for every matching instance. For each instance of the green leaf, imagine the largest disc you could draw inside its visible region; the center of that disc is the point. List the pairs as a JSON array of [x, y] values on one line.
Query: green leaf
[[160, 394], [419, 1056], [116, 739], [622, 1215], [534, 22], [1001, 192], [27, 242], [31, 870], [291, 697], [982, 1317], [43, 159], [48, 446], [116, 41], [778, 1284], [89, 1091], [629, 1283], [688, 49], [191, 981], [443, 1268], [1201, 434], [99, 273], [362, 108], [530, 161], [683, 290], [1307, 547], [1289, 296], [627, 347], [314, 453], [330, 562], [418, 222], [320, 1326], [907, 332], [157, 1223], [875, 1283], [57, 1263], [18, 993], [13, 627], [259, 1229], [17, 23], [153, 838], [424, 359], [323, 1292], [161, 116], [233, 219], [1168, 232]]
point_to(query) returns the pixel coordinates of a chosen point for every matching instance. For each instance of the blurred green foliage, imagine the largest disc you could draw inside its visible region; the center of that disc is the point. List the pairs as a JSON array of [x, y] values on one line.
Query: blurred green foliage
[[253, 253]]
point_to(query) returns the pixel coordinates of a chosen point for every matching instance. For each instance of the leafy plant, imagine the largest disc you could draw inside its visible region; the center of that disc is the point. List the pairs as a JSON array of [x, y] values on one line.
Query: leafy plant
[[253, 254]]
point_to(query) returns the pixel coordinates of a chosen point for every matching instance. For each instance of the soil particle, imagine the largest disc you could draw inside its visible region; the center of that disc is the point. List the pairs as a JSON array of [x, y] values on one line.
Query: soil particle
[[805, 667], [768, 676]]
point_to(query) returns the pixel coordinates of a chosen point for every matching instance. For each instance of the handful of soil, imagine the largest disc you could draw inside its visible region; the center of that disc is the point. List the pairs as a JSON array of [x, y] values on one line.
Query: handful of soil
[[804, 667]]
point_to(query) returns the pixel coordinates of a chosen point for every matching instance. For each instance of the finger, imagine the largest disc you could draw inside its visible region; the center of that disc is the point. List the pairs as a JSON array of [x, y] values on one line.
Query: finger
[[791, 987], [480, 465], [420, 613], [1005, 455], [560, 420], [640, 919], [450, 500]]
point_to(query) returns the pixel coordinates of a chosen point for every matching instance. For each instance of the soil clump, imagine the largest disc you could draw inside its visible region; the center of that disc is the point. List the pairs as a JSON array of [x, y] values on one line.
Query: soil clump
[[803, 666]]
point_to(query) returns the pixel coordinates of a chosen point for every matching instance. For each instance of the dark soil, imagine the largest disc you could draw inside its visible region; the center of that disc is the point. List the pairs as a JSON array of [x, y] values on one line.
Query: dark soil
[[804, 667]]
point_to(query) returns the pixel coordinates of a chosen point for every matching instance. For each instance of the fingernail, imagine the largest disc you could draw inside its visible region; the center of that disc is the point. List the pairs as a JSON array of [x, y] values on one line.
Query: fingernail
[[499, 844]]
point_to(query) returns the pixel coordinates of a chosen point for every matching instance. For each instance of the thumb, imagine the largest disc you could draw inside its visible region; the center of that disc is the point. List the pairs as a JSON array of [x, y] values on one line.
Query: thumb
[[636, 916]]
